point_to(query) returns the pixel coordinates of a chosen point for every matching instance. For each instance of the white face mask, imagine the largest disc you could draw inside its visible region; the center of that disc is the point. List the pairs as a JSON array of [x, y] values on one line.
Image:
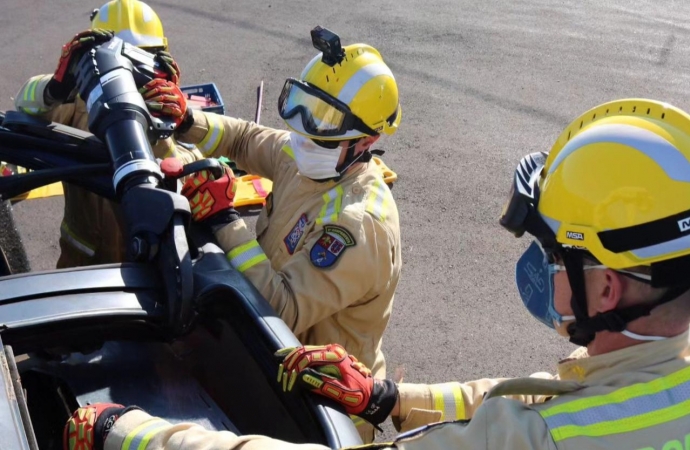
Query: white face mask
[[314, 161]]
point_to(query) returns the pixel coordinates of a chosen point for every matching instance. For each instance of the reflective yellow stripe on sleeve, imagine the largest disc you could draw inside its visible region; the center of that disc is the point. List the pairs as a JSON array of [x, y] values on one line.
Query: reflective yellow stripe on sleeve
[[332, 204], [210, 142], [632, 408], [139, 437], [449, 400], [288, 150], [32, 90], [74, 240], [32, 111], [27, 91], [378, 199], [246, 256], [357, 421]]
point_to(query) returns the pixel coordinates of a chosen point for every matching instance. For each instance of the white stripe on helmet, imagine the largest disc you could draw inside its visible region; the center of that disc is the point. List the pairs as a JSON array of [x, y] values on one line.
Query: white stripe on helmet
[[360, 78], [658, 149]]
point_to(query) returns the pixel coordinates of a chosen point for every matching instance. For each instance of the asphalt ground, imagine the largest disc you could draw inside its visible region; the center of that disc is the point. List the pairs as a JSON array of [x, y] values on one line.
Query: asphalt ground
[[481, 84]]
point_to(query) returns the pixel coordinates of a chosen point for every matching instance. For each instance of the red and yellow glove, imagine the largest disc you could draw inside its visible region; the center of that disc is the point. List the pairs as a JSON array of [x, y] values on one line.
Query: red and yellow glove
[[168, 67], [208, 196], [89, 426], [75, 49], [63, 81], [164, 99], [330, 371]]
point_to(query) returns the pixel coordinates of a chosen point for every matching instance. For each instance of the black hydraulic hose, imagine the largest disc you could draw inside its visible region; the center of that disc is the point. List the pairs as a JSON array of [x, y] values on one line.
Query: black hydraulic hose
[[19, 142], [14, 185]]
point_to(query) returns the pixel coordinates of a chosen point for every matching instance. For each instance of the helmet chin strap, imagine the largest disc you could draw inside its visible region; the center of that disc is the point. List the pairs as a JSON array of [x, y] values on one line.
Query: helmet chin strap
[[583, 330], [350, 157]]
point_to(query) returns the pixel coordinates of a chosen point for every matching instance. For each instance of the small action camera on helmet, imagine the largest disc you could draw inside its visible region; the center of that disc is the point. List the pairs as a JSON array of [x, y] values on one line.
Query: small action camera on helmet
[[329, 44]]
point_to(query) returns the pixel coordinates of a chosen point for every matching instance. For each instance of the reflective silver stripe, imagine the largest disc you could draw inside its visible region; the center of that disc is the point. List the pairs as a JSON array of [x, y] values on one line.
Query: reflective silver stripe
[[658, 149], [140, 40], [139, 438], [360, 78], [665, 248], [246, 256], [68, 236], [449, 400], [213, 137], [30, 90], [663, 400], [332, 206], [377, 200], [313, 61]]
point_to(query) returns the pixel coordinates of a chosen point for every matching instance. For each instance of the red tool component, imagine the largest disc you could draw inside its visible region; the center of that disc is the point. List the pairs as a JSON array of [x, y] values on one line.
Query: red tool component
[[172, 167]]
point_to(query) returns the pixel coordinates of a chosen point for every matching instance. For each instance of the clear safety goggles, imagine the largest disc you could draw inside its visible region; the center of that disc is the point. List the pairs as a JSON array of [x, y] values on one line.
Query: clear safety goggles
[[321, 114]]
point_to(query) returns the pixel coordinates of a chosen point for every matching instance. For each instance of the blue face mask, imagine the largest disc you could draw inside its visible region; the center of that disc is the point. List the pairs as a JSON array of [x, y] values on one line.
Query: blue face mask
[[534, 278]]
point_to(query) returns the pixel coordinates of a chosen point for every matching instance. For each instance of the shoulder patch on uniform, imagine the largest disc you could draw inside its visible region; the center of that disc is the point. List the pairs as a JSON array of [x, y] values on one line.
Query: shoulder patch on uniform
[[293, 237], [330, 246]]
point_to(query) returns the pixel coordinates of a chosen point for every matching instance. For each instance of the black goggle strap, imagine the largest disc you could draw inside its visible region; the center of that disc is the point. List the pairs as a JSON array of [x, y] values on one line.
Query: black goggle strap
[[358, 124]]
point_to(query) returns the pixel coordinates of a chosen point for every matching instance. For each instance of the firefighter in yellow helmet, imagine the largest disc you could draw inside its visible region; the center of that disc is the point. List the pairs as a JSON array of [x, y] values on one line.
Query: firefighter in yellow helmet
[[609, 209], [327, 250], [91, 231], [133, 22]]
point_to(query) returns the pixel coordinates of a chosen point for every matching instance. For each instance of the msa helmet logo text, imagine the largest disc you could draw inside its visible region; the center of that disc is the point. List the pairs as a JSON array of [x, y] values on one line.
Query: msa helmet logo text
[[574, 235], [684, 224]]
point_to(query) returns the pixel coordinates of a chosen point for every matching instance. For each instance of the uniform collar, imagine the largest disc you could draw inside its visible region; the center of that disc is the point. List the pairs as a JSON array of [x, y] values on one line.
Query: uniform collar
[[580, 366]]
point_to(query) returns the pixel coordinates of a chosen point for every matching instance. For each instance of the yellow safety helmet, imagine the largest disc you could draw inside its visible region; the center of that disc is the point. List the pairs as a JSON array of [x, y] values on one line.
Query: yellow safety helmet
[[617, 183], [132, 21], [614, 187], [361, 85]]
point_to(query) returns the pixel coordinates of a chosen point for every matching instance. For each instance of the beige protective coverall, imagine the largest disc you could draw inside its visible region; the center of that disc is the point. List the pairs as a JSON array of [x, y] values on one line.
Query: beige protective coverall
[[327, 254], [92, 229], [634, 398]]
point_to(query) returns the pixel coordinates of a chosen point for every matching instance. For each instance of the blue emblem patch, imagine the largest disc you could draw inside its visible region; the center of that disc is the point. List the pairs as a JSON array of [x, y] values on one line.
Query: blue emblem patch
[[330, 246], [293, 237]]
